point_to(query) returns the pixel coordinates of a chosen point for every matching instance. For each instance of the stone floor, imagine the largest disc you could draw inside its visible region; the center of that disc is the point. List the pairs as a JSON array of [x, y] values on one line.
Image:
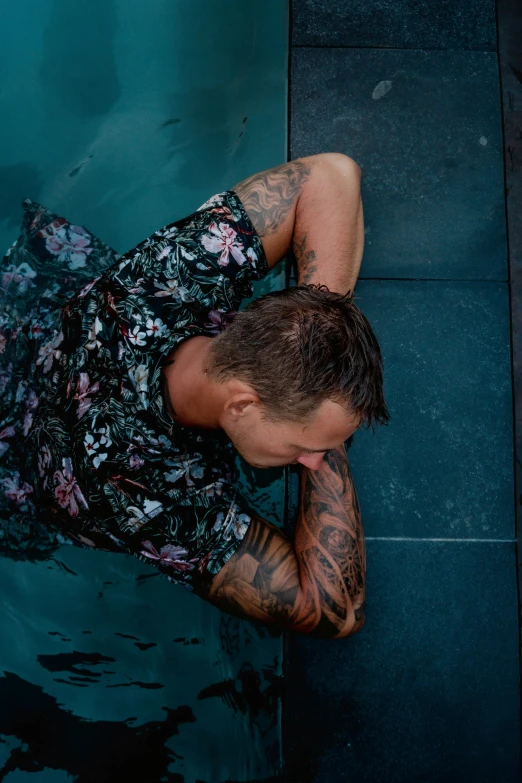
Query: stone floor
[[429, 690]]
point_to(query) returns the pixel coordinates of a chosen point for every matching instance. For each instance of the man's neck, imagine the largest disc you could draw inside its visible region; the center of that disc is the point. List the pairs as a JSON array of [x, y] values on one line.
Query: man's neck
[[192, 399]]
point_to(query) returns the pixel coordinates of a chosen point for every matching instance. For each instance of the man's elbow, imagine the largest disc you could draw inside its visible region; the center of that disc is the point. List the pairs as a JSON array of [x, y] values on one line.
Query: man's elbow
[[326, 629], [344, 164], [350, 629]]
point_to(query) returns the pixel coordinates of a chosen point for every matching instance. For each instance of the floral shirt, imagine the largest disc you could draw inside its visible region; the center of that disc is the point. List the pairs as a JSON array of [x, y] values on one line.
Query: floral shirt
[[87, 447]]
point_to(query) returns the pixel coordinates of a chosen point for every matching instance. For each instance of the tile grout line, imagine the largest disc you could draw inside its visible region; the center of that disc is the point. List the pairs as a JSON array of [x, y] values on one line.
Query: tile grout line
[[446, 540], [393, 48]]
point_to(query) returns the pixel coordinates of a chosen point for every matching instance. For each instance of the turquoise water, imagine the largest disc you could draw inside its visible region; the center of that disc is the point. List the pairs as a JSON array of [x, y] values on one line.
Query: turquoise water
[[123, 117]]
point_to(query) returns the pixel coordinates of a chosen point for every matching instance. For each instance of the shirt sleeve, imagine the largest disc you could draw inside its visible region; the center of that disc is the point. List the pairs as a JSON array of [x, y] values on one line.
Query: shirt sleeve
[[193, 538], [197, 270]]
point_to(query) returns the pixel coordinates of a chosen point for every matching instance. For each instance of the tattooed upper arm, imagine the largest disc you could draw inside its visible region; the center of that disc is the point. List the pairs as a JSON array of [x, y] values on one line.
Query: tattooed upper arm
[[270, 199], [261, 579]]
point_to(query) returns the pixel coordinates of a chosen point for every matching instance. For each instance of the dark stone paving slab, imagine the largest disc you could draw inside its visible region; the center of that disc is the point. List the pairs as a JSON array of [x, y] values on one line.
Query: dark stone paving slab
[[426, 129], [429, 689], [399, 24], [444, 465]]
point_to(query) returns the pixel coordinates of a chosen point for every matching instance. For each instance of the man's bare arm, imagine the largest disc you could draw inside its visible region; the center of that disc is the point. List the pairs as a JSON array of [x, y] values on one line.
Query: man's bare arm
[[313, 206], [315, 586]]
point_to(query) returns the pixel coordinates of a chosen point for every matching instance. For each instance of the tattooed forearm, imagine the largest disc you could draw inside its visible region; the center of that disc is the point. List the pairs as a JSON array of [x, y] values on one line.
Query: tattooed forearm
[[315, 586], [306, 260], [329, 544], [269, 195]]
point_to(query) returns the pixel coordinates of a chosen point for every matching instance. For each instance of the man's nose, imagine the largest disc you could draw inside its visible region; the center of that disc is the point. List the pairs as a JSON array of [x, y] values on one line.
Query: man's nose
[[312, 461]]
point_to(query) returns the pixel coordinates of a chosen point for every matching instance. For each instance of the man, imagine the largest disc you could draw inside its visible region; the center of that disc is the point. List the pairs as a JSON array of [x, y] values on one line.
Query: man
[[133, 408], [313, 206]]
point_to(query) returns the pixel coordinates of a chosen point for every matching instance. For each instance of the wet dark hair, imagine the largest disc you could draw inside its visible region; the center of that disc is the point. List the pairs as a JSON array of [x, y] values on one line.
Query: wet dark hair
[[300, 346]]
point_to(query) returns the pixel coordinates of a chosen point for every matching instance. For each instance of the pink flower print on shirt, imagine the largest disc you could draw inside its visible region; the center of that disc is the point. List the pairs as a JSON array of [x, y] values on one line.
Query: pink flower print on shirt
[[71, 246], [204, 561], [223, 241], [85, 290], [136, 462], [36, 220], [49, 351], [153, 446], [7, 432], [22, 274], [16, 491], [31, 404], [82, 391], [225, 212], [168, 555], [219, 320], [67, 492]]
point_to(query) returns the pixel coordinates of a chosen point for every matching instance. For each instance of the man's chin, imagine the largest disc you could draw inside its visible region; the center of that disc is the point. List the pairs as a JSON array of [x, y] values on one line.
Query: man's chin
[[271, 465], [262, 466]]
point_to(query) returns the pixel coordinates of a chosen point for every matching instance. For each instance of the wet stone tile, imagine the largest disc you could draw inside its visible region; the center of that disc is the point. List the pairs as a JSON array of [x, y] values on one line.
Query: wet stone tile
[[426, 129], [425, 24], [444, 465], [428, 690]]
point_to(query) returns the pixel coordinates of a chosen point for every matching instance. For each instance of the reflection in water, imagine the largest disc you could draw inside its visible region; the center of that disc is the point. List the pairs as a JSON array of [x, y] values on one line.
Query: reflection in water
[[52, 737], [108, 675]]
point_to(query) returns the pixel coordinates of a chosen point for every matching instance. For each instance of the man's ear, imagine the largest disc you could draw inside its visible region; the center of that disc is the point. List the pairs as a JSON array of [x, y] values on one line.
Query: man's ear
[[238, 404]]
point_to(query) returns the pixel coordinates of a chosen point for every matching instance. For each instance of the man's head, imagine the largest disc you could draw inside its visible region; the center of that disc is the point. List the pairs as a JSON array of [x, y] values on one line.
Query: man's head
[[302, 370]]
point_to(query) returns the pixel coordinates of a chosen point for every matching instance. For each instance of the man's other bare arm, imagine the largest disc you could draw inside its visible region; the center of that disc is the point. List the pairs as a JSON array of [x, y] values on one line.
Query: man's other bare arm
[[316, 586], [313, 206]]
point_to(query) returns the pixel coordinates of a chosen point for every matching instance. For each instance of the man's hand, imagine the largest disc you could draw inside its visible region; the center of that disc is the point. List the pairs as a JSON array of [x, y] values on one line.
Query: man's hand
[[313, 206]]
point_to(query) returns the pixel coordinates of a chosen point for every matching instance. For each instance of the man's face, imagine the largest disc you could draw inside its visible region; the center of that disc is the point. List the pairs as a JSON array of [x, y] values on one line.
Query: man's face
[[264, 444]]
